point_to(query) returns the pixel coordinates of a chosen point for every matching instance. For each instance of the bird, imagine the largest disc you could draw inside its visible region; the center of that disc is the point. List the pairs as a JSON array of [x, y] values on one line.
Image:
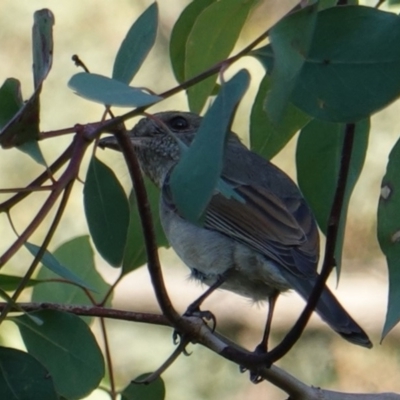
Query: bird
[[257, 248]]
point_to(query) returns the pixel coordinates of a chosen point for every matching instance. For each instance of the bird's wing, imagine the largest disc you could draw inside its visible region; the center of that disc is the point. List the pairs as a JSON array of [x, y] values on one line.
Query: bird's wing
[[282, 230]]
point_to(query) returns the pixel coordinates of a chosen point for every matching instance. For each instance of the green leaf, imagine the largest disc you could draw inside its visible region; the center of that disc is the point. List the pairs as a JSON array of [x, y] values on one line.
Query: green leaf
[[24, 124], [11, 282], [135, 252], [195, 177], [22, 377], [180, 33], [136, 45], [107, 211], [389, 234], [32, 148], [136, 391], [211, 39], [110, 92], [344, 79], [318, 157], [67, 348], [10, 101], [267, 138], [50, 262], [291, 39], [76, 255], [42, 45], [266, 57]]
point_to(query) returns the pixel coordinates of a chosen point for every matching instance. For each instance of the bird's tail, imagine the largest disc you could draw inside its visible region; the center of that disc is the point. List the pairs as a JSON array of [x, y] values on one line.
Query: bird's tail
[[331, 311]]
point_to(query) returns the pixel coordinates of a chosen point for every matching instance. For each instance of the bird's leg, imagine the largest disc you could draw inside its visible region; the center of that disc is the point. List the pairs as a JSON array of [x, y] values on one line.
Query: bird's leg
[[263, 346], [194, 308]]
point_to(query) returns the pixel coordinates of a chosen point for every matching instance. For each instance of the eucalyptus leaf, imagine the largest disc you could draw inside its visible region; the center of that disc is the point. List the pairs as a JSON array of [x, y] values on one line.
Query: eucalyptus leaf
[[100, 89], [42, 45], [67, 348], [32, 381], [196, 175], [318, 157], [212, 38], [136, 45], [107, 211], [50, 262], [389, 234]]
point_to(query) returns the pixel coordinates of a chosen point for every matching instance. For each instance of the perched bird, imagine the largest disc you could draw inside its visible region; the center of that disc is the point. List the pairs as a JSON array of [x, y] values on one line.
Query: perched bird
[[257, 248]]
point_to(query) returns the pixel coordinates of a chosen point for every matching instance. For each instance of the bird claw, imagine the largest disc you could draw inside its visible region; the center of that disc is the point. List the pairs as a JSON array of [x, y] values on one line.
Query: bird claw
[[177, 338], [204, 315]]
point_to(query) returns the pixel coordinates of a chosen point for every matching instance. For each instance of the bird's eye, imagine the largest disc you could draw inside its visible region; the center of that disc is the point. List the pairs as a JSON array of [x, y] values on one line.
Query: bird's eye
[[178, 123]]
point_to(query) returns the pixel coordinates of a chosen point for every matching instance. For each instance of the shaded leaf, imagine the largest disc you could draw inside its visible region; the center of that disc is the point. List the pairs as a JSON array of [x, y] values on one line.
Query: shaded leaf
[[135, 252], [11, 282], [76, 255], [211, 39], [195, 177], [22, 377], [109, 91], [153, 391], [318, 157], [67, 348], [42, 45], [32, 148], [10, 101], [343, 79], [107, 211], [136, 45], [50, 262], [180, 33], [267, 138], [291, 39], [24, 125], [389, 234]]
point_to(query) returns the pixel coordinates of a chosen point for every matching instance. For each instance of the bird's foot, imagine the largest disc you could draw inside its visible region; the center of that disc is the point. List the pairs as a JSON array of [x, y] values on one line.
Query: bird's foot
[[255, 376]]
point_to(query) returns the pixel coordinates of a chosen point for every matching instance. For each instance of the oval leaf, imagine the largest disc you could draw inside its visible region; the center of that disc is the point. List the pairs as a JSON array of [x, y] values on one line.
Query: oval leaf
[[23, 377], [136, 391], [109, 91], [107, 211], [76, 255], [42, 45], [291, 39], [267, 138], [136, 45], [195, 177], [135, 251], [67, 348], [180, 33], [343, 79], [318, 157], [211, 40], [389, 234], [50, 262]]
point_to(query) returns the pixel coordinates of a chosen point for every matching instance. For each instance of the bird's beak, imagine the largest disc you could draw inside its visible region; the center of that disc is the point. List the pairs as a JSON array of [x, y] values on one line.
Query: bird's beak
[[109, 142]]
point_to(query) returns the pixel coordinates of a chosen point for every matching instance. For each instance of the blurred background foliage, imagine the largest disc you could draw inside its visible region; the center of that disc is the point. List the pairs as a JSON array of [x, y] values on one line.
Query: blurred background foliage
[[94, 31]]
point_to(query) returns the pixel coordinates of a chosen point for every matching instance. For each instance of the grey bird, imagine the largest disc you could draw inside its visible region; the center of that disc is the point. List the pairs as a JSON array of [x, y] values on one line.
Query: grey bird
[[257, 248]]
